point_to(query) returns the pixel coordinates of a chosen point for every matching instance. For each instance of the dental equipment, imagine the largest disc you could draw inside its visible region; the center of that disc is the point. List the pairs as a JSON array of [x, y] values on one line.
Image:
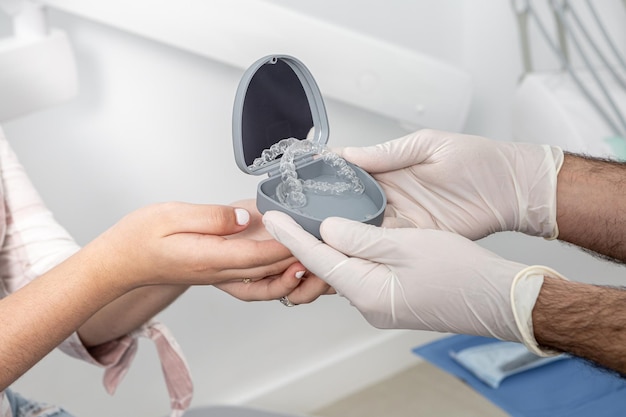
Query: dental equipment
[[568, 23]]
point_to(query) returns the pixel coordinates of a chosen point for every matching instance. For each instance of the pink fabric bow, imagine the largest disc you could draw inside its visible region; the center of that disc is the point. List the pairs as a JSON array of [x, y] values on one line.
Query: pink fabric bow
[[119, 355]]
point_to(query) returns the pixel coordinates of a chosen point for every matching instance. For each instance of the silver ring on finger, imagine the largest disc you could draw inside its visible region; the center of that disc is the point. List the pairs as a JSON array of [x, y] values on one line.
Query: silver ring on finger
[[285, 301]]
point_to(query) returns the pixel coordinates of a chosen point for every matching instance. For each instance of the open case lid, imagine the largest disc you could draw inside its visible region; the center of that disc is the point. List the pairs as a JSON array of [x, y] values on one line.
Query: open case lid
[[277, 98]]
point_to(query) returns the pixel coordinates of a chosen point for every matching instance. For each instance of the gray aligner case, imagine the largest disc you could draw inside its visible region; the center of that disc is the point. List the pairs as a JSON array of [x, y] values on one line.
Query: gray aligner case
[[278, 98]]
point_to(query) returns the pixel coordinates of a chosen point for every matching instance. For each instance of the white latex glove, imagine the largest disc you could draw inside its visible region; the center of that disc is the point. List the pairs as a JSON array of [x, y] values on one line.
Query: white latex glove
[[419, 279], [465, 184]]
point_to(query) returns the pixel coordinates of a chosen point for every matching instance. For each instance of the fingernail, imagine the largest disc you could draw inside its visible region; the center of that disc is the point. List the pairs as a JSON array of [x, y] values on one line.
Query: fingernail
[[242, 216], [300, 274]]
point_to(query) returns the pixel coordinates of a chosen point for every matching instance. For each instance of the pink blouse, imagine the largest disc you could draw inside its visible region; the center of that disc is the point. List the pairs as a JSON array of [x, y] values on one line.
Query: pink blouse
[[31, 243]]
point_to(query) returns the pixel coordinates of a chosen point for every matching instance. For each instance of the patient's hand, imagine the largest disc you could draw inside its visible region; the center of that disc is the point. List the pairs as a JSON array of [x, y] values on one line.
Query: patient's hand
[[295, 282]]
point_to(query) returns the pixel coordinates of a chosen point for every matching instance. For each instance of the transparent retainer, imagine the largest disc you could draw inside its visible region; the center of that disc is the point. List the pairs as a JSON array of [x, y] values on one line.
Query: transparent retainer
[[291, 191]]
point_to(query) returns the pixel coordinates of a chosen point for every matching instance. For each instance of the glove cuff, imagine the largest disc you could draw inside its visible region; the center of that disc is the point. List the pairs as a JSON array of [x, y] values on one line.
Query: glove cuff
[[540, 218], [524, 292], [557, 154]]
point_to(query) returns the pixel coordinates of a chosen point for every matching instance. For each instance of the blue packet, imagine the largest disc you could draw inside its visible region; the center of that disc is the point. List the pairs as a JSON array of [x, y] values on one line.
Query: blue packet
[[493, 362]]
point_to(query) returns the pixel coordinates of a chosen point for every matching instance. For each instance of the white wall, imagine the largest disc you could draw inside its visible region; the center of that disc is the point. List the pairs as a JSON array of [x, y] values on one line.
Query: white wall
[[152, 123]]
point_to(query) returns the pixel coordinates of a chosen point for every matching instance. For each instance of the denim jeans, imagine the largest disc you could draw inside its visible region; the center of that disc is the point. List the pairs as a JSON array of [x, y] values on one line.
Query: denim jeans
[[22, 407]]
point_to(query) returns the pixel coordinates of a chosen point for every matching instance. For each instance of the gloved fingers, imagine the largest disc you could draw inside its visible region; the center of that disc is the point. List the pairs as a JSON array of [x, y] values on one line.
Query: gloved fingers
[[318, 257], [346, 275], [364, 241], [395, 154]]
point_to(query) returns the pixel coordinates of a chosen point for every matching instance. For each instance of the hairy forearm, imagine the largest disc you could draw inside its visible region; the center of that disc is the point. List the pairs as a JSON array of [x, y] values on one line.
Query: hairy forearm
[[591, 205], [127, 313], [585, 320]]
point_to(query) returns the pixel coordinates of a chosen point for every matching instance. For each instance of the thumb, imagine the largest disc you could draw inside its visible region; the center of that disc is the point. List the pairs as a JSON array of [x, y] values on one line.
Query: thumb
[[373, 159], [392, 155], [206, 219]]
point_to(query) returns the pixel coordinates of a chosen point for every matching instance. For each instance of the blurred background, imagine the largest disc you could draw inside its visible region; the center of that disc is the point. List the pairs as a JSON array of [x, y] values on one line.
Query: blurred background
[[151, 121]]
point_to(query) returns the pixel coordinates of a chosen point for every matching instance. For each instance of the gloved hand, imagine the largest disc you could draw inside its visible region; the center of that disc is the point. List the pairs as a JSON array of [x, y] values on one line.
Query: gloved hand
[[465, 184], [419, 279]]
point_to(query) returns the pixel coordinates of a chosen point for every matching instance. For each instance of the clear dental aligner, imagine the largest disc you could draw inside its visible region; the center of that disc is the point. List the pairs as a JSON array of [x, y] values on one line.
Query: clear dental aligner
[[290, 191]]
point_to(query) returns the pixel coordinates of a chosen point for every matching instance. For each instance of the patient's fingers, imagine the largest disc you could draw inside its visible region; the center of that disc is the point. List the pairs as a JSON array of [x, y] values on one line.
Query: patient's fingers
[[269, 288], [309, 290]]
